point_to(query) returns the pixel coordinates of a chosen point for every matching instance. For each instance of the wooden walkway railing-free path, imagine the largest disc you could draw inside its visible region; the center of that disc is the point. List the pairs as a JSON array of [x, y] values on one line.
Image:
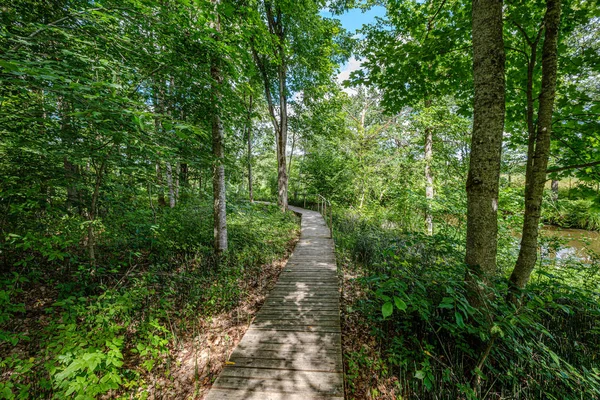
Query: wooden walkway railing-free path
[[292, 350]]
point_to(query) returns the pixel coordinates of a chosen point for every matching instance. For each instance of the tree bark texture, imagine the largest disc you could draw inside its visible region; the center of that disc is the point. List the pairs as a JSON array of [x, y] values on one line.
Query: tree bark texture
[[486, 142], [280, 125], [289, 170], [71, 177], [249, 128], [219, 200], [538, 165], [429, 178], [276, 26], [177, 177], [159, 183], [170, 185], [530, 110], [183, 173], [554, 187]]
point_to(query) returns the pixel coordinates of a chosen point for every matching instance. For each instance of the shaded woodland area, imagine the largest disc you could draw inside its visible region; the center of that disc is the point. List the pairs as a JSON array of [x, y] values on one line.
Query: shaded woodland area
[[142, 140]]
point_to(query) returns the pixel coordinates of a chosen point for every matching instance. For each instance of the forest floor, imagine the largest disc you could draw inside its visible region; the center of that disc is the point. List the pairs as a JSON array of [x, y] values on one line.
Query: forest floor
[[156, 319], [363, 381], [200, 356], [195, 358]]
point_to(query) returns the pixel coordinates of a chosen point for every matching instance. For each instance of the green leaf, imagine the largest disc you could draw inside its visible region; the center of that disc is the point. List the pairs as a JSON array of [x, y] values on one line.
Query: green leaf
[[447, 302], [420, 374], [387, 309], [9, 66], [554, 357], [400, 304], [167, 126], [496, 330], [459, 319]]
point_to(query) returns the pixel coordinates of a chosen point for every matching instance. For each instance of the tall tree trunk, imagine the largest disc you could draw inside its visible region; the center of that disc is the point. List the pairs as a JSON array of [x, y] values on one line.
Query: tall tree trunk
[[219, 200], [554, 187], [429, 178], [538, 165], [486, 144], [184, 174], [289, 171], [249, 128], [280, 125], [282, 177], [530, 110], [177, 178], [159, 182], [170, 185]]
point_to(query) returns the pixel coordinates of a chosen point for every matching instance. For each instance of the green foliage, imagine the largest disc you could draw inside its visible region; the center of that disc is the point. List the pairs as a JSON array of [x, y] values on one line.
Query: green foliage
[[416, 308], [109, 326], [8, 308], [583, 214], [105, 114], [427, 63]]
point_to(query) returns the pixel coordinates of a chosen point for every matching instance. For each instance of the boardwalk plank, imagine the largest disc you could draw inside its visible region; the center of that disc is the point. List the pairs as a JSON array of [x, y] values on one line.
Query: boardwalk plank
[[249, 394], [285, 386], [315, 364], [292, 350], [298, 315]]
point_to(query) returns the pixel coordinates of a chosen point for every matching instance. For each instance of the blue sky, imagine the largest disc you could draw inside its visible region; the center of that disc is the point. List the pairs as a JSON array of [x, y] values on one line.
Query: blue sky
[[353, 20]]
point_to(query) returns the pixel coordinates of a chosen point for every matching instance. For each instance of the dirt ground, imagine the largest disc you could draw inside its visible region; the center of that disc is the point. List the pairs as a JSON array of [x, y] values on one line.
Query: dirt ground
[[198, 358]]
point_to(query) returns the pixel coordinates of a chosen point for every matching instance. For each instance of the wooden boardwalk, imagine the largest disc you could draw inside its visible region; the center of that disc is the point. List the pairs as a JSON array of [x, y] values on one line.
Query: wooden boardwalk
[[292, 350]]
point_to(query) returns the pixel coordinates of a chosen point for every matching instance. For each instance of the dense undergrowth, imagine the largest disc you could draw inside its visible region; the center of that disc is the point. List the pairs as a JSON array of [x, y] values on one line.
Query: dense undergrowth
[[566, 213], [411, 332], [72, 330], [576, 207]]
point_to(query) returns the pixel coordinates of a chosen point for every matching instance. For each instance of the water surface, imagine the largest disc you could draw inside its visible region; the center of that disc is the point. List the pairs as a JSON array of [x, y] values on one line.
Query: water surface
[[577, 243]]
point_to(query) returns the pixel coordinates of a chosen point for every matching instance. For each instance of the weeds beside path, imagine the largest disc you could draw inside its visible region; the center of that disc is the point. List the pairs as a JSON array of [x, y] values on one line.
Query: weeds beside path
[[155, 318]]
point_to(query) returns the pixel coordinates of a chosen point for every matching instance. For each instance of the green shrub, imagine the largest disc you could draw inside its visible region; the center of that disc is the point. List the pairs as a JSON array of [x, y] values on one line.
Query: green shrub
[[583, 214], [431, 340], [112, 323]]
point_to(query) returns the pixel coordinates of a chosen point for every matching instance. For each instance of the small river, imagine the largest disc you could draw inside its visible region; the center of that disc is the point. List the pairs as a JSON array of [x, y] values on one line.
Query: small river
[[576, 243]]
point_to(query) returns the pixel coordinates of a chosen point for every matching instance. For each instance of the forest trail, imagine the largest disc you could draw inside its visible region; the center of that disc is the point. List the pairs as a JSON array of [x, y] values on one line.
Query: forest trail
[[292, 350]]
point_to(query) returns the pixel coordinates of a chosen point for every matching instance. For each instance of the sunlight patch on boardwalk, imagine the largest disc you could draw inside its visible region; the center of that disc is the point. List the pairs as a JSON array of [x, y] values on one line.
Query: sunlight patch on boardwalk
[[292, 350]]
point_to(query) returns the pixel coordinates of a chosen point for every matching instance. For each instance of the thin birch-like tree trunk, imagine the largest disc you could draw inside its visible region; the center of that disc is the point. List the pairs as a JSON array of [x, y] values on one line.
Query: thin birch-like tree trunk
[[249, 128], [170, 185], [429, 178], [219, 200], [554, 187]]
